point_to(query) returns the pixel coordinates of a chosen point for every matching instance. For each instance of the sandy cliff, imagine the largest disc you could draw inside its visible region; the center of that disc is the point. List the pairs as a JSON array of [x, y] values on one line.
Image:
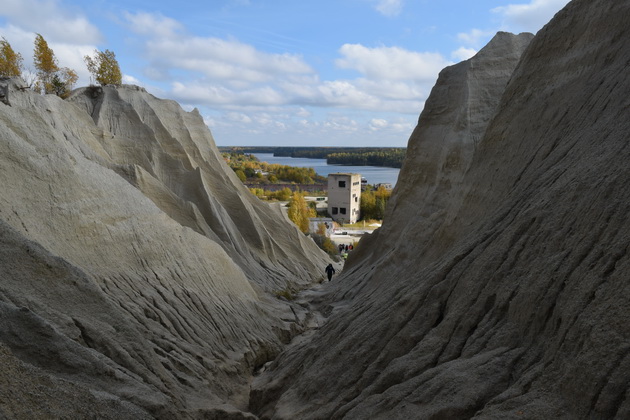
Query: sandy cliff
[[137, 275], [498, 286], [135, 266]]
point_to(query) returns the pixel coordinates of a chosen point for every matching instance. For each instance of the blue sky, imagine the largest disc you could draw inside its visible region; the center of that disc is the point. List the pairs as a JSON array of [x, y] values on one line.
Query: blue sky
[[278, 72]]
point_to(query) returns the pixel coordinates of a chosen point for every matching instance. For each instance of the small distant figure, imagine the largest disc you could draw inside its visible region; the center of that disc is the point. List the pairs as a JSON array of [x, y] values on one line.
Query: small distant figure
[[330, 270]]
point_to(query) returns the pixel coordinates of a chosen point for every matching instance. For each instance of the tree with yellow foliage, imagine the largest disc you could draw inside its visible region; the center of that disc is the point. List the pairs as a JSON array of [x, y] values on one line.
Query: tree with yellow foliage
[[373, 203], [10, 61], [50, 77], [45, 63], [62, 82], [299, 212], [104, 67]]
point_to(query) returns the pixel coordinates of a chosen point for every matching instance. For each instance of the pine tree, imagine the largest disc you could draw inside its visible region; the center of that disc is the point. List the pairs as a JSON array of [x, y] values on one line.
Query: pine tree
[[63, 81]]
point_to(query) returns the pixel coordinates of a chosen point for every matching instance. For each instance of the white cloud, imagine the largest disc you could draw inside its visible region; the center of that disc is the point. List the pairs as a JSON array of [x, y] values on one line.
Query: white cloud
[[130, 80], [68, 54], [403, 125], [346, 94], [215, 94], [389, 8], [169, 48], [303, 113], [378, 124], [71, 55], [340, 123], [44, 17], [153, 24], [391, 63], [399, 90], [530, 16], [239, 117], [362, 94], [476, 37], [21, 41], [463, 53], [232, 76], [322, 128], [399, 125]]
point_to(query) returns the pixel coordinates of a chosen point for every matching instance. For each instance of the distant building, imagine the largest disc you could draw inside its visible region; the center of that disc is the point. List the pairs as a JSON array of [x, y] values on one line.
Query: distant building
[[344, 197], [386, 185]]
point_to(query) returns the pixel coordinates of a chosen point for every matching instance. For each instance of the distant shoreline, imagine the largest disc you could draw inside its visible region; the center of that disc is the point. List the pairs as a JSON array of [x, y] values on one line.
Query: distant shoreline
[[391, 157]]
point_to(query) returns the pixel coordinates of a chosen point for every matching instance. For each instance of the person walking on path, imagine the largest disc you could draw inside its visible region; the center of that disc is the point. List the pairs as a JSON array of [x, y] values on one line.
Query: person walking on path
[[330, 270]]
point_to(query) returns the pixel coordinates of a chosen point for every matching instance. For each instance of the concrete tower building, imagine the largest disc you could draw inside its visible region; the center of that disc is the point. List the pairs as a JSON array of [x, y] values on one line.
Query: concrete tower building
[[344, 197]]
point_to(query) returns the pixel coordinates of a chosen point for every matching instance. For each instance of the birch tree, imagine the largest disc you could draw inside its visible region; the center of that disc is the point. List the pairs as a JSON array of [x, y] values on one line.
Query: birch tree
[[50, 77], [104, 67], [45, 64], [10, 61]]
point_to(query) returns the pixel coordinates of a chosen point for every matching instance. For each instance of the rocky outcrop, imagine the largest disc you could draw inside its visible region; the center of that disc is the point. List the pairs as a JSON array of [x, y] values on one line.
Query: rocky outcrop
[[135, 267], [442, 147], [497, 287], [177, 166]]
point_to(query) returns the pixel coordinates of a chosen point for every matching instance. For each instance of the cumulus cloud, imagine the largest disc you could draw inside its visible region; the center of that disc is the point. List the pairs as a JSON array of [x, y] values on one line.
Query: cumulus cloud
[[168, 47], [153, 24], [340, 123], [302, 112], [389, 8], [530, 16], [71, 55], [130, 80], [215, 94], [383, 96], [476, 38], [344, 93], [378, 124], [239, 117], [68, 54], [463, 53], [231, 75], [44, 17], [391, 63], [395, 90]]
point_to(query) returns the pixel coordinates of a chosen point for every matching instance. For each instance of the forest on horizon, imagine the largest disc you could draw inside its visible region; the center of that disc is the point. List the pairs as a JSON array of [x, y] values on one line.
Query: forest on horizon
[[360, 156]]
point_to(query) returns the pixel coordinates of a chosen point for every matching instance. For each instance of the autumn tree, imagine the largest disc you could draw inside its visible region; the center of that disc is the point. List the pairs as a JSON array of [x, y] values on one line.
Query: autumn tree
[[283, 195], [104, 67], [241, 175], [10, 61], [50, 77], [299, 212], [325, 244], [63, 81], [373, 203], [45, 63]]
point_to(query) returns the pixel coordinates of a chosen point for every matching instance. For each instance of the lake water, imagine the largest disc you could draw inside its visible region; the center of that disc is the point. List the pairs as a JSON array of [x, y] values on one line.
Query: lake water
[[373, 174]]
